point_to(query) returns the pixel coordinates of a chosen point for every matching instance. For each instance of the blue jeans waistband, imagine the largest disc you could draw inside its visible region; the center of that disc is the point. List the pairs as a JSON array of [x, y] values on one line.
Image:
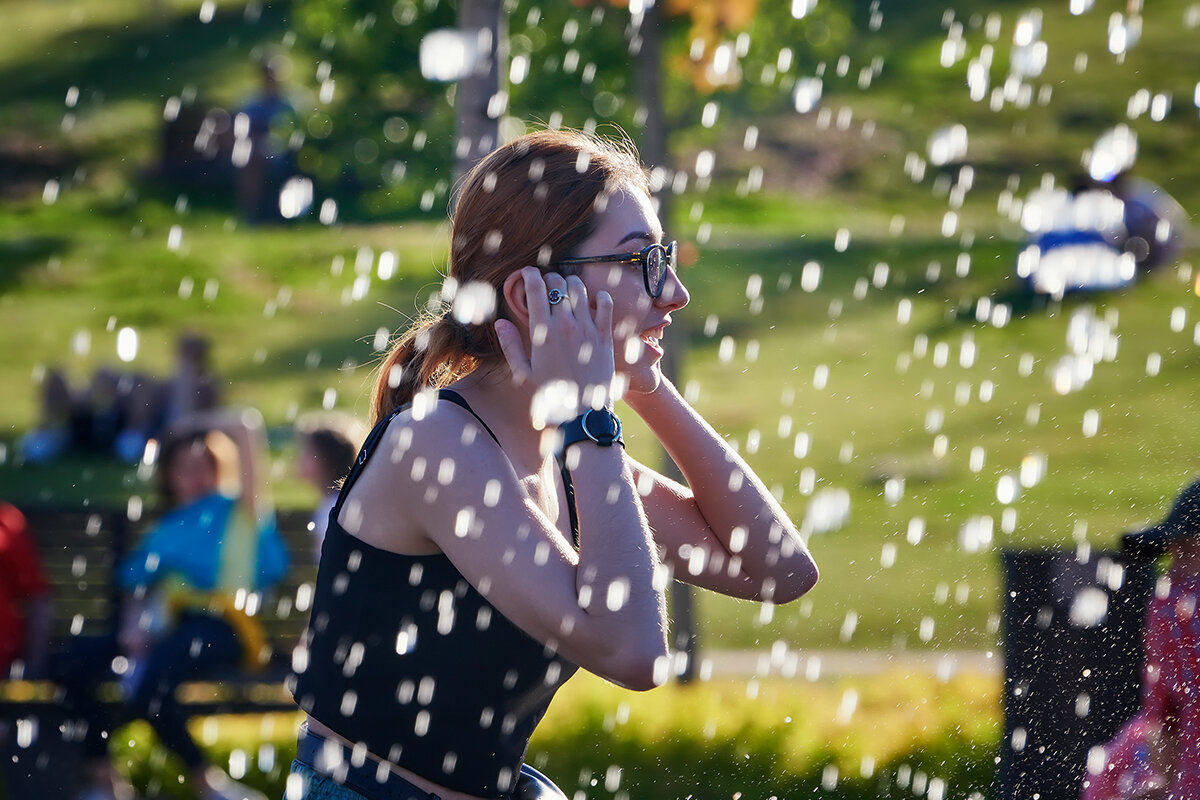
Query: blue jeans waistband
[[371, 778]]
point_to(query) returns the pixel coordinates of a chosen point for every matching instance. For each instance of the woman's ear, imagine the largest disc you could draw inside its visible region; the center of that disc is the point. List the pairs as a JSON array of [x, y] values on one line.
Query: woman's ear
[[513, 291]]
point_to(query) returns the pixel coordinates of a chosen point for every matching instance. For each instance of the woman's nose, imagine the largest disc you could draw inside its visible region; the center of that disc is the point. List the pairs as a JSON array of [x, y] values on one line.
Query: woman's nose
[[674, 294]]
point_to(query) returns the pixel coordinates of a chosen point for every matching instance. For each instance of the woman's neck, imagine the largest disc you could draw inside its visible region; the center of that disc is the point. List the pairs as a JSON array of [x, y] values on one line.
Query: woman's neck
[[505, 407]]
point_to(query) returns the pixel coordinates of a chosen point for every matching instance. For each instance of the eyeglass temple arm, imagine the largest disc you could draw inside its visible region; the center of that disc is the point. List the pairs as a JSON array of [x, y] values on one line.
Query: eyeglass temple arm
[[630, 258]]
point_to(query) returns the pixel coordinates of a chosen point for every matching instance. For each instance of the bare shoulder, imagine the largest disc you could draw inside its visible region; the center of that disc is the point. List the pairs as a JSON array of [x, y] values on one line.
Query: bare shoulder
[[431, 460]]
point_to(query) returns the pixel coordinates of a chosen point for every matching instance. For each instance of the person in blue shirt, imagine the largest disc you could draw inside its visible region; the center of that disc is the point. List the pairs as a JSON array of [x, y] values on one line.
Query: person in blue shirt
[[194, 583], [262, 155]]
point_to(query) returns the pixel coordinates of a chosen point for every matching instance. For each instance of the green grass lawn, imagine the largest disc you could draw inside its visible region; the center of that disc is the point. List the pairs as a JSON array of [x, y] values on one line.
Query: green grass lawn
[[892, 385], [871, 422]]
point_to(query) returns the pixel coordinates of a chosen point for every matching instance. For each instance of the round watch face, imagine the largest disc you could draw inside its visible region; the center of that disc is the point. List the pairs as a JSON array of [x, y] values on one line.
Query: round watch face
[[602, 426]]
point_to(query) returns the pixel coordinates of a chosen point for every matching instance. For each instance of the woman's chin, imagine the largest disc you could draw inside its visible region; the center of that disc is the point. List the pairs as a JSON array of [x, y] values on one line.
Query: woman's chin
[[643, 379]]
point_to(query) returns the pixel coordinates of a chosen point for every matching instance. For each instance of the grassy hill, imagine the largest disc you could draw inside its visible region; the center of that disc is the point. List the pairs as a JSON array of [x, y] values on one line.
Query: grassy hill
[[889, 401]]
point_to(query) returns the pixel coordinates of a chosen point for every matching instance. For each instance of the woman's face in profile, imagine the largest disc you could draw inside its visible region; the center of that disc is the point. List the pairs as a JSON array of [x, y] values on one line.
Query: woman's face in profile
[[192, 473], [627, 224]]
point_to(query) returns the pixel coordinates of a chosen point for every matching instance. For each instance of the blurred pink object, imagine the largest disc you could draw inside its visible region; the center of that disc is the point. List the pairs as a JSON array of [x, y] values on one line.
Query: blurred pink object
[[1127, 772]]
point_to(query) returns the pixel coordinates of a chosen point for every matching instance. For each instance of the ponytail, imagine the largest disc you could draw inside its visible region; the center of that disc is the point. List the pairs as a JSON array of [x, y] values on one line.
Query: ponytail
[[436, 351]]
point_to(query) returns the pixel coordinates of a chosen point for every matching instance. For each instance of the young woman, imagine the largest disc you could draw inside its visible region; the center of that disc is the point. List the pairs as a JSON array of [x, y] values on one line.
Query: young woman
[[494, 535]]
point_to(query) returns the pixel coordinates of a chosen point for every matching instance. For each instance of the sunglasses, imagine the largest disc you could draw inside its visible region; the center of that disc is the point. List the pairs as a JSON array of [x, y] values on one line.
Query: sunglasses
[[655, 260]]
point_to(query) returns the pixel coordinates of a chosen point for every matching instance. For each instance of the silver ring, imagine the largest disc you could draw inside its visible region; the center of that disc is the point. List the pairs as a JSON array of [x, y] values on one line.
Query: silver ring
[[555, 296]]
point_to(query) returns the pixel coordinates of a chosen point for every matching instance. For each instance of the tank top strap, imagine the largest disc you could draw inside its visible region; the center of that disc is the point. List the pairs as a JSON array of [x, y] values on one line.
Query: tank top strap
[[364, 454], [376, 435], [460, 401]]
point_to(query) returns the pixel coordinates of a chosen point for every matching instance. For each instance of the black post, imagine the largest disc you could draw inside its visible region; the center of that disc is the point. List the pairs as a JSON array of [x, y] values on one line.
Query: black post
[[1072, 664]]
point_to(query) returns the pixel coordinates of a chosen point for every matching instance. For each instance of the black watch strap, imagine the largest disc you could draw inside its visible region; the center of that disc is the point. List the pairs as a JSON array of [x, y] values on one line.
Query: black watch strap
[[598, 425]]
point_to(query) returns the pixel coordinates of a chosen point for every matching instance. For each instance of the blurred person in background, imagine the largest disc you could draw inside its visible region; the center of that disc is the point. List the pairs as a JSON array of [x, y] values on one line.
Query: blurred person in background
[[106, 416], [119, 412], [262, 156], [1156, 754], [26, 608], [192, 585], [326, 446], [25, 602], [1156, 225]]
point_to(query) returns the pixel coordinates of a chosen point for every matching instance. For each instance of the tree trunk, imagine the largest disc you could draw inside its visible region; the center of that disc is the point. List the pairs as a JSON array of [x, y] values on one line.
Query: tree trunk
[[654, 151], [478, 103]]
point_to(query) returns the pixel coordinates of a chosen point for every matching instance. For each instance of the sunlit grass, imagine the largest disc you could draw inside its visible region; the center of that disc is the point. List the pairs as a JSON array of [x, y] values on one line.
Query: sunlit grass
[[758, 735], [770, 736]]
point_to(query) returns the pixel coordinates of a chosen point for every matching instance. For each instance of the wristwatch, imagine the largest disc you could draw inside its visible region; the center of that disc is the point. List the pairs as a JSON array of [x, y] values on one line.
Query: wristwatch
[[597, 425]]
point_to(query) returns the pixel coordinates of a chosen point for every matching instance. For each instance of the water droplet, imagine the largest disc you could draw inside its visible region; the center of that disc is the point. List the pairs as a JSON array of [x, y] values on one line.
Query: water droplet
[[329, 212], [296, 197], [1089, 607], [450, 55], [474, 303], [975, 535], [947, 144], [849, 624], [1123, 33], [801, 8], [1007, 490], [846, 708], [828, 510], [807, 94], [916, 530], [127, 344], [1114, 152]]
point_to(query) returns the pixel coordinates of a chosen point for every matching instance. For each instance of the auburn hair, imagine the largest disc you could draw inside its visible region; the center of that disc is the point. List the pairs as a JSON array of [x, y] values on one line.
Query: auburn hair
[[529, 202]]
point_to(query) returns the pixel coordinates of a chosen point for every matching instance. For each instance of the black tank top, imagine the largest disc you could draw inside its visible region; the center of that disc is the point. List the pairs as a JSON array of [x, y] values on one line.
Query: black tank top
[[404, 656]]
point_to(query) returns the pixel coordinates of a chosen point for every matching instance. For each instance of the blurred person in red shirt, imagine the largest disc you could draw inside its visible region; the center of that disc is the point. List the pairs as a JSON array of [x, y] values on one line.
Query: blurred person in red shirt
[[24, 598]]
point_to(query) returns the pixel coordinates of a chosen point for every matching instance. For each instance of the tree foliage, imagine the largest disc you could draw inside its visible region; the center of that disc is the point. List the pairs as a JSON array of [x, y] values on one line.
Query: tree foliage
[[382, 137]]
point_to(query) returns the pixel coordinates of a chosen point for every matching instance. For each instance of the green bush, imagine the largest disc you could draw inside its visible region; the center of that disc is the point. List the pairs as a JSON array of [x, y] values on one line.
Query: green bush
[[879, 736]]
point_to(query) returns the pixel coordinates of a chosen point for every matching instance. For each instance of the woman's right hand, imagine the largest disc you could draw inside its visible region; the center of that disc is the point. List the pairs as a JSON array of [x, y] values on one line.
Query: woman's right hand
[[569, 359]]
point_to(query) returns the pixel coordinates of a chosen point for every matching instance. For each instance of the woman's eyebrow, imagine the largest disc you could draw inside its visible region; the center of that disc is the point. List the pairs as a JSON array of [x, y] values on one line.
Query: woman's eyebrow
[[636, 235]]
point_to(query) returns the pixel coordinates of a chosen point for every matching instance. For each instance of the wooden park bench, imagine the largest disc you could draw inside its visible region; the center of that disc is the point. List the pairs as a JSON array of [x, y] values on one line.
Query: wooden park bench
[[80, 549]]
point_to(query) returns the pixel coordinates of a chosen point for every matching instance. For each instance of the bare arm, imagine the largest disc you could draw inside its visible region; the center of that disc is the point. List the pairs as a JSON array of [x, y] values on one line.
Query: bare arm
[[724, 530], [245, 427], [602, 607]]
